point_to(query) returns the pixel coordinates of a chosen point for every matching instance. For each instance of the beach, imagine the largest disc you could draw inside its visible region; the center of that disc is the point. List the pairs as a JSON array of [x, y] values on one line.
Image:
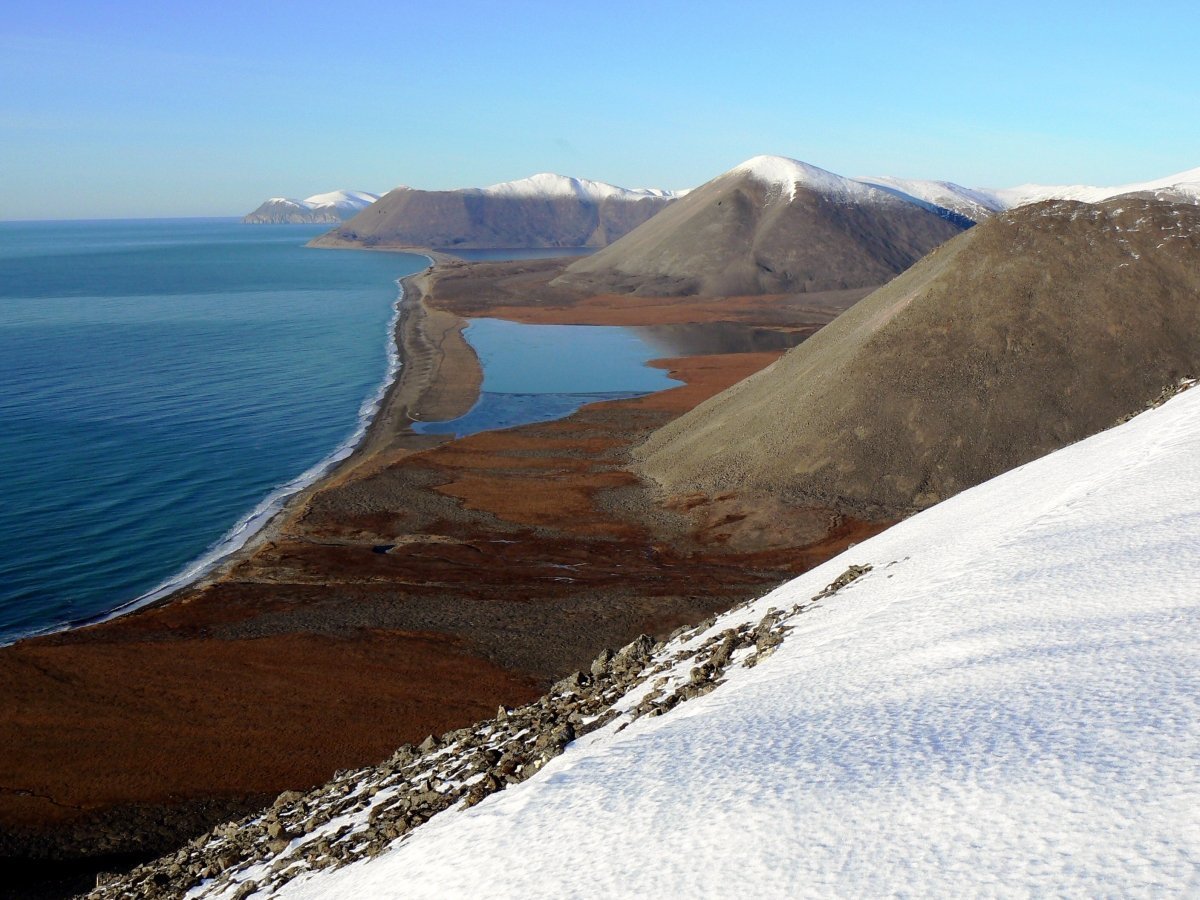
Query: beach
[[414, 588]]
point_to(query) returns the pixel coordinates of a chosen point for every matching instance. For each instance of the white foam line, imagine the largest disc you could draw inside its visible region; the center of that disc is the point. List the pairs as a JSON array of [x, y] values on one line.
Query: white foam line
[[249, 525]]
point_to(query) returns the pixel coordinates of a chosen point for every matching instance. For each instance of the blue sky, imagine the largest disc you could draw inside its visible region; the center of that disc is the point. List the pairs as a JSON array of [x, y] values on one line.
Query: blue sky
[[170, 108]]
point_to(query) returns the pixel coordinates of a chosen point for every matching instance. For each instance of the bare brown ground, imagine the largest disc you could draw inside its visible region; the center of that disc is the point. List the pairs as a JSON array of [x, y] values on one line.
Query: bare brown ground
[[418, 587], [520, 293], [92, 739]]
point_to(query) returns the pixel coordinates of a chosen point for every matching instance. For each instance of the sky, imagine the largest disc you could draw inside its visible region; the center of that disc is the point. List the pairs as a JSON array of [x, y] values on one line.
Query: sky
[[164, 108]]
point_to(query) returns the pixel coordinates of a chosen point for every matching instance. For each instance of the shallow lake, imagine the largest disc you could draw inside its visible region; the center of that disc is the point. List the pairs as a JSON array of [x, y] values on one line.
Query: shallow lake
[[537, 373]]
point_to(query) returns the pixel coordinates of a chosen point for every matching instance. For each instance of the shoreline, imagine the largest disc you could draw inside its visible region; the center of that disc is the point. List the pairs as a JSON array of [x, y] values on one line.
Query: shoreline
[[407, 348], [265, 521], [420, 583]]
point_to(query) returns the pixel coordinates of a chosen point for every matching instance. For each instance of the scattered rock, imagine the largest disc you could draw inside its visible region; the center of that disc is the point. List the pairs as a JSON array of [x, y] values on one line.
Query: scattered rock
[[851, 574], [602, 663], [465, 766]]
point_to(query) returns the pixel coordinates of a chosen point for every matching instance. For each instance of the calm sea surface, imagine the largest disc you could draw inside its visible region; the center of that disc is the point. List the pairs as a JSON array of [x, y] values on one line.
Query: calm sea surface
[[159, 380], [165, 384]]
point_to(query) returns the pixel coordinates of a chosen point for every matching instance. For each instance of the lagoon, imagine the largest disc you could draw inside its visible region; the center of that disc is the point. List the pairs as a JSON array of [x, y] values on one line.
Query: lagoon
[[537, 373]]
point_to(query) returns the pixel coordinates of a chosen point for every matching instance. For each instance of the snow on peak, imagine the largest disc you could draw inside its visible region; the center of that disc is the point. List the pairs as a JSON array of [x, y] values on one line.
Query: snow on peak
[[356, 199], [1183, 185], [946, 194], [548, 184], [787, 174]]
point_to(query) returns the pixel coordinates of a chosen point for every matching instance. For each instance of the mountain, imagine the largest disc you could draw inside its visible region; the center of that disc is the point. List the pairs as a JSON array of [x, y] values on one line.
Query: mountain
[[541, 211], [331, 208], [1034, 329], [1183, 187], [770, 225], [970, 203], [999, 691], [980, 203]]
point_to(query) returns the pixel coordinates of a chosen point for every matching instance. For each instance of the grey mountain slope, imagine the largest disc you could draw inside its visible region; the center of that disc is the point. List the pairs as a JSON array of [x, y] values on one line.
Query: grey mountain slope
[[476, 219], [1032, 330], [734, 235]]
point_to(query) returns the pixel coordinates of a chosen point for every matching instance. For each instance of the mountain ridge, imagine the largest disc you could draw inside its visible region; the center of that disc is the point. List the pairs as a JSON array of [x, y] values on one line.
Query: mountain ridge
[[325, 209], [769, 225], [1014, 338], [543, 211]]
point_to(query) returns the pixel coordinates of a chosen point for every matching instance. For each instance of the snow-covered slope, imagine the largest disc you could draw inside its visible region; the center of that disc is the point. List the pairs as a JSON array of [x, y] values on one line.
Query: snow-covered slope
[[1182, 187], [355, 200], [965, 201], [1007, 702], [999, 696], [334, 206], [974, 203], [546, 184], [788, 174], [979, 203]]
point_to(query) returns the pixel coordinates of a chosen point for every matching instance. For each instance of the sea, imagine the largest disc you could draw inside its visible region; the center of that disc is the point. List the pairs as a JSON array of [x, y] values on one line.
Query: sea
[[165, 385]]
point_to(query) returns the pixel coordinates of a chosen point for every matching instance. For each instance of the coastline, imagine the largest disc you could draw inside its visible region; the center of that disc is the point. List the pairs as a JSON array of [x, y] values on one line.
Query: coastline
[[432, 373], [410, 590], [415, 335]]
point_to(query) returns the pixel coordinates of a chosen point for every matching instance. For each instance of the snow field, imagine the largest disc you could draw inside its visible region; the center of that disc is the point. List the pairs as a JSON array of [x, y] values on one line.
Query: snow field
[[1007, 703]]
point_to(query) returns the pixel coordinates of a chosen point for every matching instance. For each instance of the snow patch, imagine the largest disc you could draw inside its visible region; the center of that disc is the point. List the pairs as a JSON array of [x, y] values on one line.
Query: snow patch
[[350, 199], [547, 184], [788, 174], [946, 194], [1184, 186]]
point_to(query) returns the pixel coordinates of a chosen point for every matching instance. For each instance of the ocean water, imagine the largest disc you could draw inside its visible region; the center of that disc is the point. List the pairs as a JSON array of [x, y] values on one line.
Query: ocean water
[[161, 384]]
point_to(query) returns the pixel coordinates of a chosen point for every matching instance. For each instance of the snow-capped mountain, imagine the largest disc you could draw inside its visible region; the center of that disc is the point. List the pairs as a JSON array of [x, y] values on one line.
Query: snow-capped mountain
[[938, 196], [770, 225], [328, 208], [974, 204], [1181, 187], [544, 210], [787, 174], [547, 184], [979, 203], [1001, 693]]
